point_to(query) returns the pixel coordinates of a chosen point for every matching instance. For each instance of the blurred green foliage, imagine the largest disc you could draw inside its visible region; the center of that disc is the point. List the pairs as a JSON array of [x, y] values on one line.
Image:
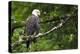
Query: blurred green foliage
[[62, 38]]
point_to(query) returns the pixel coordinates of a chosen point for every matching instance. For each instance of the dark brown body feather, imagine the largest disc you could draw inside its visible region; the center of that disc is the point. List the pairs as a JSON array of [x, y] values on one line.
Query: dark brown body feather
[[31, 27]]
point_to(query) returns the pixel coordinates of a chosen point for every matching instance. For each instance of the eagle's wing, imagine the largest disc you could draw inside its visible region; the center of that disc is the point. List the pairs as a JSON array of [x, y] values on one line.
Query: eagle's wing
[[32, 25]]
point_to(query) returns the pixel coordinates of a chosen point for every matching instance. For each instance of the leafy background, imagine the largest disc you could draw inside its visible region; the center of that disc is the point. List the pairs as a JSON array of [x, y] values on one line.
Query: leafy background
[[63, 38]]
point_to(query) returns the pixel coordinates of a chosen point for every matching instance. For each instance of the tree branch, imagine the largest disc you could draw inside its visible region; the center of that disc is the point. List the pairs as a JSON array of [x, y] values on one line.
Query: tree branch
[[40, 34]]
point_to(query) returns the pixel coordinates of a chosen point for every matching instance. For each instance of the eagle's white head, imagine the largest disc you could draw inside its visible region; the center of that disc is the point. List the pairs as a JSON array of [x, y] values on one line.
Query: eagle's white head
[[36, 12]]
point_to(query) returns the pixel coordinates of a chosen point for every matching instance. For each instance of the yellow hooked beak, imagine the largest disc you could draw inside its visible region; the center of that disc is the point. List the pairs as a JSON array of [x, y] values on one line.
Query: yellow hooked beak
[[38, 13]]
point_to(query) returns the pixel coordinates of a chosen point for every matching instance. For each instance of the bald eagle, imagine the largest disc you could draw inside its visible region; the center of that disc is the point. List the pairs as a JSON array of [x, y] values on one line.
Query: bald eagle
[[32, 25]]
